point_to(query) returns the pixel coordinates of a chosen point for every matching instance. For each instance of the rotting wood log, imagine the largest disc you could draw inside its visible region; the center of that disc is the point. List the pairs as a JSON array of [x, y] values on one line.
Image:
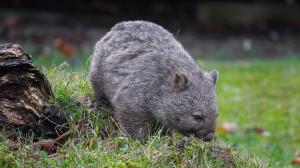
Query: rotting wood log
[[25, 95]]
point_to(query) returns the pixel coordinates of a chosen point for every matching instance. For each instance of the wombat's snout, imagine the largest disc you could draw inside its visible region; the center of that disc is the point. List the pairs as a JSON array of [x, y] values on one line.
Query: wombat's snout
[[209, 137]]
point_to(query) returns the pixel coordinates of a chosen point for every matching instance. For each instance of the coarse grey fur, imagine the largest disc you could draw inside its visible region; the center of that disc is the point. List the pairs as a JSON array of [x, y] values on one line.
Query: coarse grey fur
[[140, 69]]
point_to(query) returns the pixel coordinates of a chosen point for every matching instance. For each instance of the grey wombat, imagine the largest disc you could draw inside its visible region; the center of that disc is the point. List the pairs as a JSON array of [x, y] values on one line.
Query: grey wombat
[[146, 75]]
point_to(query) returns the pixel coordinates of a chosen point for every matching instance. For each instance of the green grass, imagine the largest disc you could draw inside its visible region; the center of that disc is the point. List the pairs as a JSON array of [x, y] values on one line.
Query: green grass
[[257, 93], [262, 94]]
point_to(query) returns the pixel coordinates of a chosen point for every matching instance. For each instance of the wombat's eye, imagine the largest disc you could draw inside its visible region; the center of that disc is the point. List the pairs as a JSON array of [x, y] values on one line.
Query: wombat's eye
[[198, 117]]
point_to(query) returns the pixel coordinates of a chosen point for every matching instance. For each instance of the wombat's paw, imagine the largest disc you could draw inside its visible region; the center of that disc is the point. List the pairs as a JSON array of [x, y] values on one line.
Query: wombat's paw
[[167, 131], [136, 133], [102, 103], [91, 104]]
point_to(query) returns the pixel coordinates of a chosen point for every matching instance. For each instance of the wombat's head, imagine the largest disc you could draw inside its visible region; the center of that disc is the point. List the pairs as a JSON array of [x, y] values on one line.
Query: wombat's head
[[191, 104]]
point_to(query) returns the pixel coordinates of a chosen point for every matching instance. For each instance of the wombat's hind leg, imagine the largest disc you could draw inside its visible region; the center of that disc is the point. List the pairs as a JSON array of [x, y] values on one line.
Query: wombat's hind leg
[[135, 127]]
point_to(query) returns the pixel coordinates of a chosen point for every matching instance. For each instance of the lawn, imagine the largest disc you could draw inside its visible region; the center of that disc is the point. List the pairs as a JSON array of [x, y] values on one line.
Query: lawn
[[263, 94], [260, 97]]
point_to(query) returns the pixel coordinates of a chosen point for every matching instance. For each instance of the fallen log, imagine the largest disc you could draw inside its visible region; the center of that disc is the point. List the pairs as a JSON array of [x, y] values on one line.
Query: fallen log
[[25, 95]]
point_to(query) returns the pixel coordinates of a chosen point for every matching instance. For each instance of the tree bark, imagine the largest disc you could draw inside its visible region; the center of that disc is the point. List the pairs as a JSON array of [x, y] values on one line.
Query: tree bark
[[25, 95]]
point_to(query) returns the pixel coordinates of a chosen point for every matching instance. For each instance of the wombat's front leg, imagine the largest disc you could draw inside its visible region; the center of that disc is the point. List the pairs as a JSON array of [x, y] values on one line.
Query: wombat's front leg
[[101, 100], [133, 125]]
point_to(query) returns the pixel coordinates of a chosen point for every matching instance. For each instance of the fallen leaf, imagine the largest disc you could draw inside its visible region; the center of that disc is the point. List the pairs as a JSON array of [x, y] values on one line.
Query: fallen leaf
[[296, 160], [226, 127], [261, 131], [47, 145], [62, 136], [50, 145], [67, 49]]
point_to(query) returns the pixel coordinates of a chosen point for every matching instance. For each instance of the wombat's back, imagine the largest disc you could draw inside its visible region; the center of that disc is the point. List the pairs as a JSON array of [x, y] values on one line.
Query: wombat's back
[[144, 43], [148, 34], [140, 52]]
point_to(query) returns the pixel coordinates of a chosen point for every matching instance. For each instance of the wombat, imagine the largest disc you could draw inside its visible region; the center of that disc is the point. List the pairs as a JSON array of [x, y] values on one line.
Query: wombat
[[140, 69]]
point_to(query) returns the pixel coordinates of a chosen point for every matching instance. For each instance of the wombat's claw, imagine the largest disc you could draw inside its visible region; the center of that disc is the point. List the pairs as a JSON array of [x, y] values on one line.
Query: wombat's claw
[[102, 104]]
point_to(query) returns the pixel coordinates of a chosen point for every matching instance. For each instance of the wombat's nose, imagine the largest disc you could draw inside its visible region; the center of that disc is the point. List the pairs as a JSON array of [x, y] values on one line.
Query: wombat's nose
[[209, 137]]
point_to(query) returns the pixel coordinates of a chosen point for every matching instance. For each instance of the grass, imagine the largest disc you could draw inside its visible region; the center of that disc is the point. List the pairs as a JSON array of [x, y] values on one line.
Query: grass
[[262, 94], [257, 93]]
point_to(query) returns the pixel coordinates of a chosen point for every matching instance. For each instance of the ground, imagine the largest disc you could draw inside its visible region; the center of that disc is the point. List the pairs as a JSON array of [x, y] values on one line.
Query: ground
[[259, 97]]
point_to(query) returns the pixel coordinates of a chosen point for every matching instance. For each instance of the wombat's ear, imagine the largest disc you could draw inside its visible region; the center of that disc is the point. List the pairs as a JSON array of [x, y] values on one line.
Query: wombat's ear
[[179, 81], [214, 75]]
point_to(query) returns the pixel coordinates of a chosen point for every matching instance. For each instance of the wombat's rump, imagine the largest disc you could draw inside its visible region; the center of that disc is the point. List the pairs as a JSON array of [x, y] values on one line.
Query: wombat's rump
[[140, 69]]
